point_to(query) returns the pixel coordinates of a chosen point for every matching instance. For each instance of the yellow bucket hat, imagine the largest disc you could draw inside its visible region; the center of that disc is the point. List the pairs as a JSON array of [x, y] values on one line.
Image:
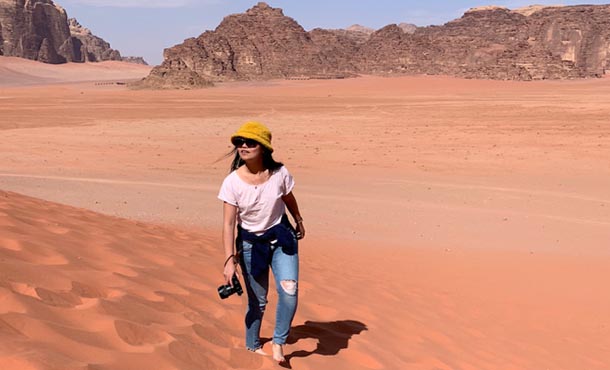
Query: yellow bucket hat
[[255, 131]]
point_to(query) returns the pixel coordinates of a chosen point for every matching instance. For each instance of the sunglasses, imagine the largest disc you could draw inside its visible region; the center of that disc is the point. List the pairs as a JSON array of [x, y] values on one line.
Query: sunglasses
[[240, 141]]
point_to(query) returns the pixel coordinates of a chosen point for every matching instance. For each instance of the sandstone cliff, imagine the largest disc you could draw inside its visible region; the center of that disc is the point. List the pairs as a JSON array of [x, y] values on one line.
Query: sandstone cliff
[[490, 42], [35, 29], [88, 47], [40, 30], [259, 44], [497, 43]]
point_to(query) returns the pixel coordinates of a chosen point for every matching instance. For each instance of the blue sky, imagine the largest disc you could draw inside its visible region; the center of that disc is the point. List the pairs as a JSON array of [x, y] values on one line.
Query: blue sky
[[146, 27]]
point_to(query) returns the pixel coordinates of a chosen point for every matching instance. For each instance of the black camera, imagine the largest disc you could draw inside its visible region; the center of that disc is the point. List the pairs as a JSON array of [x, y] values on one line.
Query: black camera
[[224, 291]]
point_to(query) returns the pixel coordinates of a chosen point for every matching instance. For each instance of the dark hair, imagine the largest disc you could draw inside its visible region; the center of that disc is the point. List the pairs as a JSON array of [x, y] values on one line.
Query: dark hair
[[268, 161]]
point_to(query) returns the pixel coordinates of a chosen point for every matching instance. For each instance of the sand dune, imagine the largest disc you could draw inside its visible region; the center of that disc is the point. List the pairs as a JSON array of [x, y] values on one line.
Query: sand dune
[[452, 224], [20, 72], [82, 290]]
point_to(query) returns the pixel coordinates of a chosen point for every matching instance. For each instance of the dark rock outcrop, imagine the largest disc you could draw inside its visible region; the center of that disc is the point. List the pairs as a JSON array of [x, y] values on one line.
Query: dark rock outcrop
[[490, 42], [134, 60], [40, 30], [35, 29], [172, 78], [88, 47]]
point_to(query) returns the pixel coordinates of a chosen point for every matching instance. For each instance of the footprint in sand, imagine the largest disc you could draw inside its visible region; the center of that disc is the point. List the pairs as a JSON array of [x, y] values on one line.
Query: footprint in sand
[[88, 291], [58, 299], [139, 335]]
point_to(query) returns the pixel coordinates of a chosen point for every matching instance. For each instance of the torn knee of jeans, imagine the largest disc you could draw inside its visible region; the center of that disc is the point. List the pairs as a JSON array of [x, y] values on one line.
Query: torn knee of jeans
[[289, 286]]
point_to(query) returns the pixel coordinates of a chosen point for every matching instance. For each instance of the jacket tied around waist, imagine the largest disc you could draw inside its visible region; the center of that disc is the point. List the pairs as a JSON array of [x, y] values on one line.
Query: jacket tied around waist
[[281, 235]]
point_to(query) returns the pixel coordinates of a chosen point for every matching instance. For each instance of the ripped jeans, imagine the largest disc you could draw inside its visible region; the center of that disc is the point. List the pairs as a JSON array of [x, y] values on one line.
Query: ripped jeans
[[285, 269]]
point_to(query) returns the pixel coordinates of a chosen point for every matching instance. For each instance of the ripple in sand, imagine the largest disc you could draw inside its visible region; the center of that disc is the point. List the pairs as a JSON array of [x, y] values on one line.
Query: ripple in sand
[[56, 229], [244, 359], [16, 363], [213, 335], [7, 328], [40, 255], [363, 360], [10, 244], [138, 335], [192, 354]]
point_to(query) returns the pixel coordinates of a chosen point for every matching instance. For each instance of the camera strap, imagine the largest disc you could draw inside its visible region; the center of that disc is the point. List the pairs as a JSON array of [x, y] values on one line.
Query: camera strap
[[235, 258]]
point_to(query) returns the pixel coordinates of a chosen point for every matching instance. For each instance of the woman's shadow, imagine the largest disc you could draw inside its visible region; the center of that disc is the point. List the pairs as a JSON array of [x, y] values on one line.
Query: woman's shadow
[[332, 337]]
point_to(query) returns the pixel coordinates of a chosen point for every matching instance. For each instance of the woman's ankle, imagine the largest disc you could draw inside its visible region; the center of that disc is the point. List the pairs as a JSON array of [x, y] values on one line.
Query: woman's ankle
[[277, 351]]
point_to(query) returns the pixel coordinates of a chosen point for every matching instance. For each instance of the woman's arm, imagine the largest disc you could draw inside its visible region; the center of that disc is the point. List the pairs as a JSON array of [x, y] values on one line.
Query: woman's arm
[[229, 213], [293, 208]]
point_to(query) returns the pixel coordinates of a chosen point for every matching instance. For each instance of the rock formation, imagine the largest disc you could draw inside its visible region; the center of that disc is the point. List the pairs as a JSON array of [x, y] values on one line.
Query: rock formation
[[489, 42], [259, 44], [497, 43], [407, 27], [35, 29], [88, 47], [134, 60], [40, 30]]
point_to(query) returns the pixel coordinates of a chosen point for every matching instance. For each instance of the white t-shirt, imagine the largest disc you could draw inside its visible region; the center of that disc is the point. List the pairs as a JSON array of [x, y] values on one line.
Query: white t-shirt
[[260, 207]]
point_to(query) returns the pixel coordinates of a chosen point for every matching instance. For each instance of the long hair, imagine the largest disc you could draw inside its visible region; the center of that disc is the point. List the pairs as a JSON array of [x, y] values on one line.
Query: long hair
[[268, 162]]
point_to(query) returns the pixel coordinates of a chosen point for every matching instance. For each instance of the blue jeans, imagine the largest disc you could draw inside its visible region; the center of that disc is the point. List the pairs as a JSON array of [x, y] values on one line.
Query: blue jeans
[[285, 267]]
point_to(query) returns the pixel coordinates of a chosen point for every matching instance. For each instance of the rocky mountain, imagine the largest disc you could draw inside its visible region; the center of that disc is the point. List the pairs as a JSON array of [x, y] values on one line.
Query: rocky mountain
[[89, 47], [489, 42], [40, 30], [497, 43], [259, 44], [134, 60]]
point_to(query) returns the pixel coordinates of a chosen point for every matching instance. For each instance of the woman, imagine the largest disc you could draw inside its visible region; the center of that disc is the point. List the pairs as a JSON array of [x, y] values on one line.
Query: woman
[[255, 195]]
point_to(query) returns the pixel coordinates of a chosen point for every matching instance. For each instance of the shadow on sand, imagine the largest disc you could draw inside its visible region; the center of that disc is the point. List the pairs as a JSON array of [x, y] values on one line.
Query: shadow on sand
[[332, 337]]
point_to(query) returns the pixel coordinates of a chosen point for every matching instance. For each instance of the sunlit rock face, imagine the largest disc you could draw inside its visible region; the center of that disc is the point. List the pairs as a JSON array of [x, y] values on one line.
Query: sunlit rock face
[[492, 42], [88, 47]]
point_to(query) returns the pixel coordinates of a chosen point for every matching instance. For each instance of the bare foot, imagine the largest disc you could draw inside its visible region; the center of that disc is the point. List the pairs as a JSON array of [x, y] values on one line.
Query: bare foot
[[261, 352], [278, 352]]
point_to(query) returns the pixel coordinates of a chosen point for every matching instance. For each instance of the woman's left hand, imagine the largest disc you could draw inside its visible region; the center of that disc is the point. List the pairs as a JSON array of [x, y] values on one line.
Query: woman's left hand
[[300, 230]]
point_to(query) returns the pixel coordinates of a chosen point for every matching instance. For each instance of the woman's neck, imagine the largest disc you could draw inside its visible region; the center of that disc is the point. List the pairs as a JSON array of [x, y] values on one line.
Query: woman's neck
[[255, 166]]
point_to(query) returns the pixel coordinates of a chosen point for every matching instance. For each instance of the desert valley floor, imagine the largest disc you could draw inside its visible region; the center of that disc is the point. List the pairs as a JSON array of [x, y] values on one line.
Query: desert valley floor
[[451, 224]]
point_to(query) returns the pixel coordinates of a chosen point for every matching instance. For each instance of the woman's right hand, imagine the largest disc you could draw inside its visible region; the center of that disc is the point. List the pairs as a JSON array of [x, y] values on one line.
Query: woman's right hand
[[229, 271]]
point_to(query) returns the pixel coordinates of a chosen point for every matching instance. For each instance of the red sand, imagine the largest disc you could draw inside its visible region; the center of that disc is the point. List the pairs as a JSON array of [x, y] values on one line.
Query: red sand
[[464, 224]]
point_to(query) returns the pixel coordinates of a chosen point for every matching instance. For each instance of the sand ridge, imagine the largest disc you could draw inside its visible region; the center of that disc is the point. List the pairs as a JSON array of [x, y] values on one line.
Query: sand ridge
[[19, 72], [82, 290]]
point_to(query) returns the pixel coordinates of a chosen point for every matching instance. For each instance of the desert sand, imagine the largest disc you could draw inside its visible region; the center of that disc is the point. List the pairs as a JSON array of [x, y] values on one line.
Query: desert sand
[[451, 224]]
